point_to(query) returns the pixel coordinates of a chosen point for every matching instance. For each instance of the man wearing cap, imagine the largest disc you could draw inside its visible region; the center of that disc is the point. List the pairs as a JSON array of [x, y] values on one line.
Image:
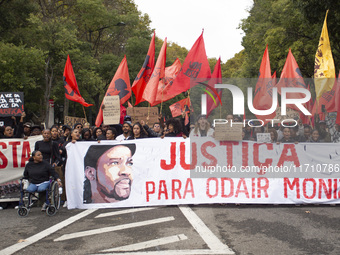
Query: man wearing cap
[[127, 119], [108, 172], [27, 129]]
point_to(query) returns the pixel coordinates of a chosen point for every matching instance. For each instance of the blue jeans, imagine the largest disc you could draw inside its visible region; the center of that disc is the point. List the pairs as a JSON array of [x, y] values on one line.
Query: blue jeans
[[34, 188]]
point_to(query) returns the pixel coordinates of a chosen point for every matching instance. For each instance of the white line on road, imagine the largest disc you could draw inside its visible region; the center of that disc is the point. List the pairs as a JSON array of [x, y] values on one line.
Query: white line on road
[[149, 244], [207, 235], [169, 252], [125, 211], [16, 247], [114, 228]]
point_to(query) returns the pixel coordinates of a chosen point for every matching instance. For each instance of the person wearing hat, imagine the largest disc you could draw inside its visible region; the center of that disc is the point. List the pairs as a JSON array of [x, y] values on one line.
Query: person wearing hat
[[202, 127], [27, 129], [108, 172], [36, 130], [127, 118], [127, 129]]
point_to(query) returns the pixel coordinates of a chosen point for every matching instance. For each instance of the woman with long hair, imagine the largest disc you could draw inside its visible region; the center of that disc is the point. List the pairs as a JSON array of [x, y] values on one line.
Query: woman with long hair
[[174, 129], [138, 132], [202, 128]]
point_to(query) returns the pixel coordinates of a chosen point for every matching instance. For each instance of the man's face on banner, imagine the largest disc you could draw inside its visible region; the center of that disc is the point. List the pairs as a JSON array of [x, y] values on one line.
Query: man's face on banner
[[114, 173]]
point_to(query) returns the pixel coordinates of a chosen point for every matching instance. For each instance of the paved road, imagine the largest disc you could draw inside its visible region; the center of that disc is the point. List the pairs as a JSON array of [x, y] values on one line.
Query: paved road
[[203, 229]]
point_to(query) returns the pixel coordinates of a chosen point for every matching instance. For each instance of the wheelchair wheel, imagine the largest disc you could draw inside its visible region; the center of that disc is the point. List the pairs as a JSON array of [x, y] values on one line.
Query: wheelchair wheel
[[23, 211], [55, 196], [51, 210]]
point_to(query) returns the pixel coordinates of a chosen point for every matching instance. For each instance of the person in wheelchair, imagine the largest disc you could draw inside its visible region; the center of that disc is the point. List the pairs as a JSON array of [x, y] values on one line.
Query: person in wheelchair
[[38, 172]]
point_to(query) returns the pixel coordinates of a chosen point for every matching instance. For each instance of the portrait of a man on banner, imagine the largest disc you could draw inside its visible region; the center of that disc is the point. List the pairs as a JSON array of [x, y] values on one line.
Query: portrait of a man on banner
[[108, 173]]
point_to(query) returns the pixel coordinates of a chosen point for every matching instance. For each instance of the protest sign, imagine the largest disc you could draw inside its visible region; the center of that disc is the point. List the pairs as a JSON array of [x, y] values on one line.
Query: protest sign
[[263, 138], [11, 103], [141, 113], [111, 110], [70, 121], [225, 132], [290, 114]]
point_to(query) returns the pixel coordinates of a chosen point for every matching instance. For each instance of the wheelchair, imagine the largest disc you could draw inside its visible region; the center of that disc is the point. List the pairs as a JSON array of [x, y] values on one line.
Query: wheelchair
[[28, 199]]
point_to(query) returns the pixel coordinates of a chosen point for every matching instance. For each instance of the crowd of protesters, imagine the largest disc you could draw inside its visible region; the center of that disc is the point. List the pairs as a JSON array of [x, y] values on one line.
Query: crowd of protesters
[[57, 137]]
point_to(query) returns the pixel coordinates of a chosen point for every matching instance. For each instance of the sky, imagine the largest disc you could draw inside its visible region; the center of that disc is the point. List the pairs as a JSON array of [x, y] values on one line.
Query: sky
[[182, 21]]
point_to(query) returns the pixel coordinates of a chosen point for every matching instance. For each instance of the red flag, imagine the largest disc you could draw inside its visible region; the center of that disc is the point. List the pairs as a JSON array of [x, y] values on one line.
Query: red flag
[[120, 85], [70, 84], [309, 106], [274, 79], [164, 84], [328, 100], [216, 78], [263, 98], [158, 73], [144, 74], [195, 66], [291, 77], [180, 106]]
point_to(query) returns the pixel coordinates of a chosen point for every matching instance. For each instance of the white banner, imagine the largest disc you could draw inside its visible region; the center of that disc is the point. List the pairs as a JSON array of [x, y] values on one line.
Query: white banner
[[14, 153], [148, 172]]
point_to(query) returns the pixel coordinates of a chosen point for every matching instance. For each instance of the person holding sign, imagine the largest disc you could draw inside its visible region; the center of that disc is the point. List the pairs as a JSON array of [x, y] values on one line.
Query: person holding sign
[[108, 172], [9, 131]]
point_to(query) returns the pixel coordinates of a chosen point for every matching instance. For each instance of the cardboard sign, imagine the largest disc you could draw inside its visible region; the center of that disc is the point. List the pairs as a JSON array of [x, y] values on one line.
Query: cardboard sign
[[11, 103], [263, 138], [290, 114], [111, 110], [141, 113], [225, 132], [70, 121]]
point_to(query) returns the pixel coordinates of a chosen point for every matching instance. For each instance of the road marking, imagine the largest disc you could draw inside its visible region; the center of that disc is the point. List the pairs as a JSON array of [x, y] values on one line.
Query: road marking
[[169, 252], [125, 211], [149, 244], [18, 246], [114, 228], [207, 235]]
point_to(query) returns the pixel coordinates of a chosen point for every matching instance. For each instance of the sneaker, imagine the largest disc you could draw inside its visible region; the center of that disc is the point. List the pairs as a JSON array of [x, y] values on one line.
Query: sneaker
[[43, 208], [65, 204], [1, 208]]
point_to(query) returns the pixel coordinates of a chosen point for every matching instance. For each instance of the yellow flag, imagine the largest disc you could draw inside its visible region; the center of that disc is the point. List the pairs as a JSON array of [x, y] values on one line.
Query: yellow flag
[[324, 70]]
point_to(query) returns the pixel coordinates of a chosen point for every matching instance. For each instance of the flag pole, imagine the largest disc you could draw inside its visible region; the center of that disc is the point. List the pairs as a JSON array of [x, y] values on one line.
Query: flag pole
[[84, 113], [133, 107], [162, 101], [147, 119]]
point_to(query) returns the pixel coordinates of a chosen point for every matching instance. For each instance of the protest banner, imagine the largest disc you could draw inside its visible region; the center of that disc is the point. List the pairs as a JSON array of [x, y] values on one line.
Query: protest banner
[[14, 154], [70, 121], [141, 113], [160, 173], [11, 103], [226, 132], [111, 110]]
